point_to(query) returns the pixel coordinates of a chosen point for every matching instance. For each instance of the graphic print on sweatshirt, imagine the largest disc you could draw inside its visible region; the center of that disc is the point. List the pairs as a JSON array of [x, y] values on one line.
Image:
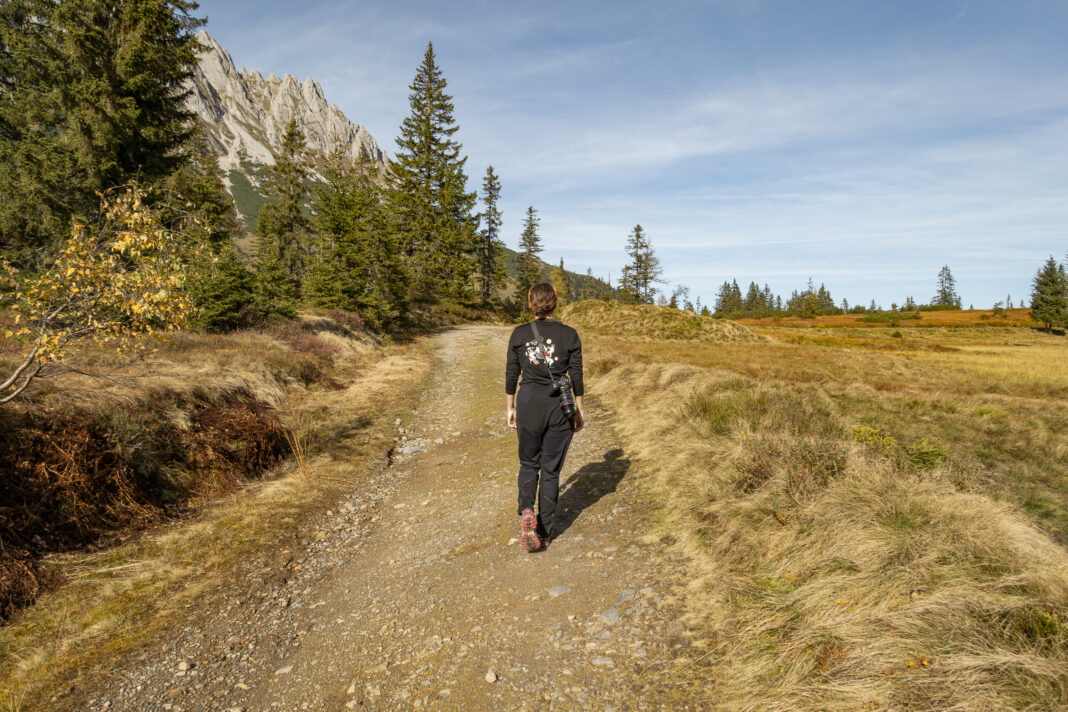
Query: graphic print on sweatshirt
[[541, 353]]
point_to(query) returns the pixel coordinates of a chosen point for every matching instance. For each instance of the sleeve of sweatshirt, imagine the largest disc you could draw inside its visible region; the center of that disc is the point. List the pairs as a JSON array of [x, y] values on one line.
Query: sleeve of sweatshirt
[[574, 367], [511, 370]]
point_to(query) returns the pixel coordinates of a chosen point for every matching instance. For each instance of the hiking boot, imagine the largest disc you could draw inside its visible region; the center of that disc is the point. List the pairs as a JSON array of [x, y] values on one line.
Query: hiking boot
[[528, 537], [544, 537]]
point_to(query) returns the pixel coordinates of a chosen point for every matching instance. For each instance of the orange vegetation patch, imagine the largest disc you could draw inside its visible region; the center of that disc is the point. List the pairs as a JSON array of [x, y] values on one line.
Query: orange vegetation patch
[[950, 318]]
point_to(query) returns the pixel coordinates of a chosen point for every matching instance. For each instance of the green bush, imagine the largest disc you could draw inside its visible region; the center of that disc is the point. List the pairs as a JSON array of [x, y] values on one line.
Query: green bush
[[924, 454]]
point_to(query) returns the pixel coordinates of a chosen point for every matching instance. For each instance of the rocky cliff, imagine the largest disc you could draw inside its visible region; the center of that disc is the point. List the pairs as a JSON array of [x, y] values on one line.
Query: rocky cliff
[[247, 114]]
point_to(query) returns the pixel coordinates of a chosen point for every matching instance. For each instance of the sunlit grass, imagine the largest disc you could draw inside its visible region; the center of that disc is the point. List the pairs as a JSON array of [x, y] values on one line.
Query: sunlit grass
[[867, 516]]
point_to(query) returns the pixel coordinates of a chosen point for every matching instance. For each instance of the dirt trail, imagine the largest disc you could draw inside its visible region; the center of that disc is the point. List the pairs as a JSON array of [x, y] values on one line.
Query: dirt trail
[[413, 593]]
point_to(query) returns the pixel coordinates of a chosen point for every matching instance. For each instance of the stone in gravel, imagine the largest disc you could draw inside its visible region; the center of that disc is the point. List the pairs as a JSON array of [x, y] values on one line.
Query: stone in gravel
[[558, 591], [439, 441], [610, 616], [603, 662], [626, 595], [491, 676], [410, 449], [381, 667], [284, 670], [183, 666], [445, 692]]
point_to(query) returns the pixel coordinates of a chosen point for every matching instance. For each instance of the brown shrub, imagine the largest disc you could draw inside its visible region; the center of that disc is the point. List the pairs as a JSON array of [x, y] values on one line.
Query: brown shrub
[[73, 480], [302, 340], [347, 319]]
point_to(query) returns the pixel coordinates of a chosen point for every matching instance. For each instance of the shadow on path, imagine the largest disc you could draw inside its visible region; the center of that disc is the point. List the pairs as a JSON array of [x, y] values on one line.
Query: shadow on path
[[587, 485]]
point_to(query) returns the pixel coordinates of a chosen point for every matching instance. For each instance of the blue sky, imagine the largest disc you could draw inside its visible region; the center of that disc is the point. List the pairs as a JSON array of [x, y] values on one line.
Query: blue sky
[[862, 144]]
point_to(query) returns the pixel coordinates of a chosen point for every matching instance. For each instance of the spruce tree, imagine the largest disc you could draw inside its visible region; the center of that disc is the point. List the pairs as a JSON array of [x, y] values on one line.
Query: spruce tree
[[274, 291], [946, 295], [1049, 298], [561, 283], [430, 198], [754, 298], [92, 95], [224, 293], [284, 224], [491, 272], [359, 270], [199, 207], [643, 271], [529, 264]]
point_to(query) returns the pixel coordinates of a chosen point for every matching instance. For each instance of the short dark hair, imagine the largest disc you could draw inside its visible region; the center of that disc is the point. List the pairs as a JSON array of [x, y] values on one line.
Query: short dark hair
[[542, 299]]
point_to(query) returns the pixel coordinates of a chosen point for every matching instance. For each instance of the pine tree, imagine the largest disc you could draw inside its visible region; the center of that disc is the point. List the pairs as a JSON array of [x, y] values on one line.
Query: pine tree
[[284, 223], [946, 295], [680, 294], [723, 296], [430, 195], [491, 272], [1049, 298], [754, 298], [92, 95], [529, 264], [198, 205], [825, 300], [643, 272], [225, 295], [273, 290], [359, 270], [561, 283]]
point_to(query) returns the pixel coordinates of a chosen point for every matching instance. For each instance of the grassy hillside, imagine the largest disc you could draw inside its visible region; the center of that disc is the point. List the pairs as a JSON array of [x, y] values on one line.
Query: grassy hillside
[[652, 322], [872, 522]]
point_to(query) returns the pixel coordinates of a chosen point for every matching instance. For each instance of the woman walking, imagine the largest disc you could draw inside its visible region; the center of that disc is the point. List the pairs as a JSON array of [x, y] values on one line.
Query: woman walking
[[544, 351]]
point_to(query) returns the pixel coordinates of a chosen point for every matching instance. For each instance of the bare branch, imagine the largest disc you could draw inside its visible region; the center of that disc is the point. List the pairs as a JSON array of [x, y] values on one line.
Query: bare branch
[[15, 394], [19, 371]]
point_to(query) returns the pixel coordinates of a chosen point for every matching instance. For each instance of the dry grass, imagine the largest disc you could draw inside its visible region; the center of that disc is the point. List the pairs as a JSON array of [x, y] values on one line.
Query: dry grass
[[868, 528], [115, 600], [651, 322], [945, 319]]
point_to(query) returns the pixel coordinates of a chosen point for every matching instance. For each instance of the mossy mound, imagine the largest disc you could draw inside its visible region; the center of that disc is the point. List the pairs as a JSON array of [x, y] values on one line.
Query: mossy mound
[[646, 321]]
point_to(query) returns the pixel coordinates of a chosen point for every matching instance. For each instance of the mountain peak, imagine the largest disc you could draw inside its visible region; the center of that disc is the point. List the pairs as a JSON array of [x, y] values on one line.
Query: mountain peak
[[247, 115]]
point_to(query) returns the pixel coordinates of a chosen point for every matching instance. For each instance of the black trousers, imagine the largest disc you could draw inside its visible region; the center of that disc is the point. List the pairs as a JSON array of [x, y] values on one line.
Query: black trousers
[[544, 436]]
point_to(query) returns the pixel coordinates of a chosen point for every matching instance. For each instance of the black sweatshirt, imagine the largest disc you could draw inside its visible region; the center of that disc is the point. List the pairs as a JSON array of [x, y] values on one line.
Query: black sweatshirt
[[564, 353]]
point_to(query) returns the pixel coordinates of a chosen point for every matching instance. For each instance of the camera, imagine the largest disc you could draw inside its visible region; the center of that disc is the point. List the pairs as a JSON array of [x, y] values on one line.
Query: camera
[[562, 389]]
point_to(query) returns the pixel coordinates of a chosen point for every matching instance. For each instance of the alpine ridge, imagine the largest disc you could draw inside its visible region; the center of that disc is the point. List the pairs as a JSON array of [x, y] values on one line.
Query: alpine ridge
[[246, 114]]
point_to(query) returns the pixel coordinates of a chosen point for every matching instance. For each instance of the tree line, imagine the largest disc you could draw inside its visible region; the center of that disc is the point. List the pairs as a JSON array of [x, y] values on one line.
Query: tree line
[[93, 96]]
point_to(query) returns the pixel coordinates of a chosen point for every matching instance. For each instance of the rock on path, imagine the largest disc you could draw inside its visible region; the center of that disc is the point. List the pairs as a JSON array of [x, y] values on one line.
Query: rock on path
[[413, 593]]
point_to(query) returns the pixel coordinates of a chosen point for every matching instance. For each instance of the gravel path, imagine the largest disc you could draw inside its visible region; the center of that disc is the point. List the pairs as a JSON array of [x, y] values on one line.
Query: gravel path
[[413, 592]]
